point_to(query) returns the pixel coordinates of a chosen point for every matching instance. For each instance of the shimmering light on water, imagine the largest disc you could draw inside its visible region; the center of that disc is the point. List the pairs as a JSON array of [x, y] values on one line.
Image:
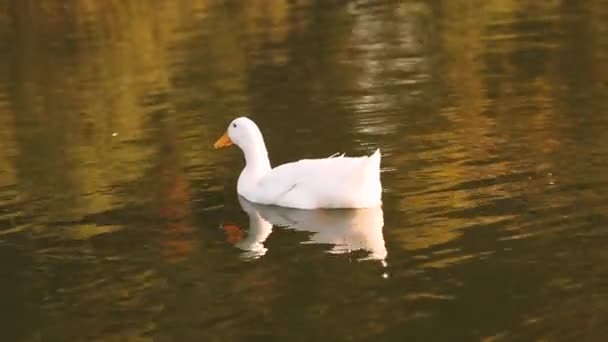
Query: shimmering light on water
[[119, 221]]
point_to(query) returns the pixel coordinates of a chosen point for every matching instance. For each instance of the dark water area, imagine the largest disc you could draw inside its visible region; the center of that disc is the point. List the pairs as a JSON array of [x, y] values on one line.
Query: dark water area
[[120, 222]]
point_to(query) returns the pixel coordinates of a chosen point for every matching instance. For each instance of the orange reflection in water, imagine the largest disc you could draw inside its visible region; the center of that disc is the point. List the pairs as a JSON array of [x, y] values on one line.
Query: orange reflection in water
[[233, 232], [175, 208]]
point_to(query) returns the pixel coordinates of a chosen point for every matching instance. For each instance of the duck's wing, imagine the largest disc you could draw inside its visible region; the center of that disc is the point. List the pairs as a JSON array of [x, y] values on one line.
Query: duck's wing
[[316, 183]]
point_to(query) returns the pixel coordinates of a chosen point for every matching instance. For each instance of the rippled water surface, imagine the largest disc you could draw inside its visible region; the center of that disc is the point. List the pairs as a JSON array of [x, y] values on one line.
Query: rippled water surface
[[118, 221]]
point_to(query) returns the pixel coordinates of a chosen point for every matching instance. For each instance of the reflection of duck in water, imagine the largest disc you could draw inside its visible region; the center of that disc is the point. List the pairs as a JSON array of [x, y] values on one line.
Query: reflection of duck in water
[[347, 229]]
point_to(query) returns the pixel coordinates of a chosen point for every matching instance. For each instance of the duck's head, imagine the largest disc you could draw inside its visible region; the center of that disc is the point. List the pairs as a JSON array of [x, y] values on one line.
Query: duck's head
[[242, 132]]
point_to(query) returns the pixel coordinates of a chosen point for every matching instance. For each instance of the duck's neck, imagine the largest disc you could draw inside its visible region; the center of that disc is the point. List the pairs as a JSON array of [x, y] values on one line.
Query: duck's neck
[[257, 163]]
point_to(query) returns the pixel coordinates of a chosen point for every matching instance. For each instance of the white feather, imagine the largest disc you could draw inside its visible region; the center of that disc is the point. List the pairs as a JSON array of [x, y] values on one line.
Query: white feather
[[333, 182]]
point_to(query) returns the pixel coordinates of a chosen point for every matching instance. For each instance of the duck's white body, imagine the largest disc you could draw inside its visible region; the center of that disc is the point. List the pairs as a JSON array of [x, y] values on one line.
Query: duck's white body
[[334, 182]]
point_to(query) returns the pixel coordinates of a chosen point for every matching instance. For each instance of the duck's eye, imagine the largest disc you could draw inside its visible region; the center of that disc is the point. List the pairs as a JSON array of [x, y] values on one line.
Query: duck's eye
[[234, 125]]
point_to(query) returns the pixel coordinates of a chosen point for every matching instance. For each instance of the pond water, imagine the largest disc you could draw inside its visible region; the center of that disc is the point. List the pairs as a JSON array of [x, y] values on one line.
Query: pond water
[[119, 221]]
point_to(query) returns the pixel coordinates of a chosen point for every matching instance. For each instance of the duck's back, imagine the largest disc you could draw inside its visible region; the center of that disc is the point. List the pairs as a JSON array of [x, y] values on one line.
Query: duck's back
[[339, 182]]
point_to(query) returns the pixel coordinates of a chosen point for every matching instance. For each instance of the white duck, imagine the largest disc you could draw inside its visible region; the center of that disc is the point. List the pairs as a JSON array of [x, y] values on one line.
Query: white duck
[[334, 182]]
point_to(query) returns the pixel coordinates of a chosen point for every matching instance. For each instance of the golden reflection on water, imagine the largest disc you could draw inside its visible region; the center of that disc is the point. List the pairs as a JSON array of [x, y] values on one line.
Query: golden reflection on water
[[110, 106], [105, 93]]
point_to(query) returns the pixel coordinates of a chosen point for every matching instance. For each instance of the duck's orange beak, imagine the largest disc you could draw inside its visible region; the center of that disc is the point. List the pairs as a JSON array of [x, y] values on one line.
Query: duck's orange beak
[[223, 141]]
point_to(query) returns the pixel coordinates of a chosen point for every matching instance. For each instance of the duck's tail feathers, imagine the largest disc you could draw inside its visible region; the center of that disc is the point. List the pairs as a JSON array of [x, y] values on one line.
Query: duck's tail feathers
[[375, 158]]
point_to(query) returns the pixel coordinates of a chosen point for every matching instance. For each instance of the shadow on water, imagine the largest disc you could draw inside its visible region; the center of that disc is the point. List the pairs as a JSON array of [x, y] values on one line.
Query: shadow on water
[[491, 119]]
